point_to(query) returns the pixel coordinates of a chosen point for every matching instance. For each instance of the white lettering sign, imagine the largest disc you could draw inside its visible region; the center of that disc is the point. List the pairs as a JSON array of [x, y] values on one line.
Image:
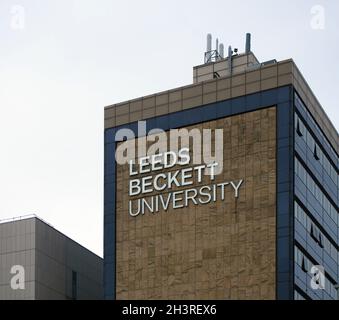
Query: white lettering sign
[[177, 177]]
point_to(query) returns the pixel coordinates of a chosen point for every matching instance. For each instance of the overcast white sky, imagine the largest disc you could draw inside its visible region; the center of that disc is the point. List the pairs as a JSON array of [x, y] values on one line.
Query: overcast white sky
[[73, 57]]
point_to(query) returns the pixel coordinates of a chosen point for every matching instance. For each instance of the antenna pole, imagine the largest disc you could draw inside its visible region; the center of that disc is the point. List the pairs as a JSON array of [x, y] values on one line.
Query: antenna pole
[[230, 52], [248, 43], [209, 42], [221, 50]]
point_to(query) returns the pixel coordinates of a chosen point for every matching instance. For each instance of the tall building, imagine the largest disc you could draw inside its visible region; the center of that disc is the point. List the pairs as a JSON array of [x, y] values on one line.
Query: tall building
[[265, 227], [37, 262]]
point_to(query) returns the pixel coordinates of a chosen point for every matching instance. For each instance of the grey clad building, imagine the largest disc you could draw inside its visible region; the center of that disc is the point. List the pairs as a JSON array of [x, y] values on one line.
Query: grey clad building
[[37, 262]]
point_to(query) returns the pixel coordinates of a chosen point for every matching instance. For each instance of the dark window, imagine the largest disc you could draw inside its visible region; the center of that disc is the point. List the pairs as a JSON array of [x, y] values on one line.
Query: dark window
[[74, 285], [321, 241], [313, 234], [315, 153], [298, 129]]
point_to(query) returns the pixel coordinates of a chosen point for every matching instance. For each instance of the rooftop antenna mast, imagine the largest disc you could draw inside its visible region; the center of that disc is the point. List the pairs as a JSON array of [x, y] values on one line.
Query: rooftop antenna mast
[[248, 43], [216, 54]]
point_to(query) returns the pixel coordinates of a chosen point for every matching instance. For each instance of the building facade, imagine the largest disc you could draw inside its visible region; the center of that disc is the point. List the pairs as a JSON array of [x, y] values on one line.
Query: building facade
[[273, 237], [39, 263]]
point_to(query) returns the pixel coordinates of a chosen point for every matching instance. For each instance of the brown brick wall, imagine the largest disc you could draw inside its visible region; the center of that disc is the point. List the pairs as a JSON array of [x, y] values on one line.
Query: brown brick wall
[[222, 250]]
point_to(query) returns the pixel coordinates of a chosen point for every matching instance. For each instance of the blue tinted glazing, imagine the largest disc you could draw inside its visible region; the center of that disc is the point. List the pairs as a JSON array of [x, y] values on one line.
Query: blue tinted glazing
[[316, 190]]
